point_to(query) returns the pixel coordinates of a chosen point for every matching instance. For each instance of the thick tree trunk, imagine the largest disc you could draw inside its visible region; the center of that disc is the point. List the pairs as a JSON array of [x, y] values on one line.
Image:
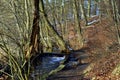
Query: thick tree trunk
[[35, 39]]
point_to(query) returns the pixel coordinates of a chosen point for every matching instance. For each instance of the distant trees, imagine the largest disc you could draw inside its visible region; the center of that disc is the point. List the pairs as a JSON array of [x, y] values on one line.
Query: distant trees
[[53, 32], [56, 14], [112, 10], [89, 7], [50, 27]]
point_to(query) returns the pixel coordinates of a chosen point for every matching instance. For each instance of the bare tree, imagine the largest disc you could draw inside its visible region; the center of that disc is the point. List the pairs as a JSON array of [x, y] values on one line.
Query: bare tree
[[77, 21], [83, 11], [60, 42]]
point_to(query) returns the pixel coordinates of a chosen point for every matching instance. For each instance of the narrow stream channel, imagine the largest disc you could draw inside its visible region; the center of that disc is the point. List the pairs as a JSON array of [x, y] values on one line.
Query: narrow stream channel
[[48, 64]]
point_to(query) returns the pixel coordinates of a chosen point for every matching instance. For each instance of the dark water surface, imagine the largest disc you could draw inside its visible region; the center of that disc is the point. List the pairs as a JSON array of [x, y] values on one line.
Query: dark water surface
[[48, 64]]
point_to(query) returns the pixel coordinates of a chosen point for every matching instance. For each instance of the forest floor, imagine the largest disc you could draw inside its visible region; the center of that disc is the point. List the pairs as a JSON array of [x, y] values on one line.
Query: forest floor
[[101, 54]]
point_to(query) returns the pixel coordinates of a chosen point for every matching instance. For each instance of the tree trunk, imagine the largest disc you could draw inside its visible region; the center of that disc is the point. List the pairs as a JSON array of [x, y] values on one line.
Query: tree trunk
[[94, 11], [116, 19], [59, 40], [83, 11], [77, 22], [35, 38], [89, 8], [118, 5]]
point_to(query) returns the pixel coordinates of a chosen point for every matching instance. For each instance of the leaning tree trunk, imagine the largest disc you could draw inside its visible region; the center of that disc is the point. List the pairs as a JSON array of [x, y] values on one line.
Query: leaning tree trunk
[[116, 19], [60, 42], [77, 22], [35, 39]]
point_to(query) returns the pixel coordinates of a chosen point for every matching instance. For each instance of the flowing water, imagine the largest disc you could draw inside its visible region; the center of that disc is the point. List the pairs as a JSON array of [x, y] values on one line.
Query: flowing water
[[48, 64]]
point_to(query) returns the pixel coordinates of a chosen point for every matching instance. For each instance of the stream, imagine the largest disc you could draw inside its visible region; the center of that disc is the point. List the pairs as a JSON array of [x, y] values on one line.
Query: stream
[[48, 64], [51, 61]]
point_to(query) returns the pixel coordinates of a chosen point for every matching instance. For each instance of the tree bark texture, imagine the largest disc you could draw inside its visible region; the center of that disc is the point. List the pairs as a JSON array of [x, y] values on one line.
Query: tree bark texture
[[35, 39], [60, 42]]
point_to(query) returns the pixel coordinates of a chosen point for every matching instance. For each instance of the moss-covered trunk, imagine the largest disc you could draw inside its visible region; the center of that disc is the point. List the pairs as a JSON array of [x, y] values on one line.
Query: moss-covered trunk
[[59, 40]]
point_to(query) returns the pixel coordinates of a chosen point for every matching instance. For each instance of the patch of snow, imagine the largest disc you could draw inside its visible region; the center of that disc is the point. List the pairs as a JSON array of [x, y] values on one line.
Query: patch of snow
[[94, 21], [93, 16]]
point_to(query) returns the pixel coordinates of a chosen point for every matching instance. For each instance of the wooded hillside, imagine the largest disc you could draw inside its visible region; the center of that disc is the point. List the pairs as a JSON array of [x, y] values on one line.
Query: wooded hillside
[[69, 29]]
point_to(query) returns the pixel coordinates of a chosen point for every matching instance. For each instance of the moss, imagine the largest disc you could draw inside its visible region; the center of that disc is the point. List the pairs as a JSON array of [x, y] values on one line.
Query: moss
[[56, 70], [116, 71]]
